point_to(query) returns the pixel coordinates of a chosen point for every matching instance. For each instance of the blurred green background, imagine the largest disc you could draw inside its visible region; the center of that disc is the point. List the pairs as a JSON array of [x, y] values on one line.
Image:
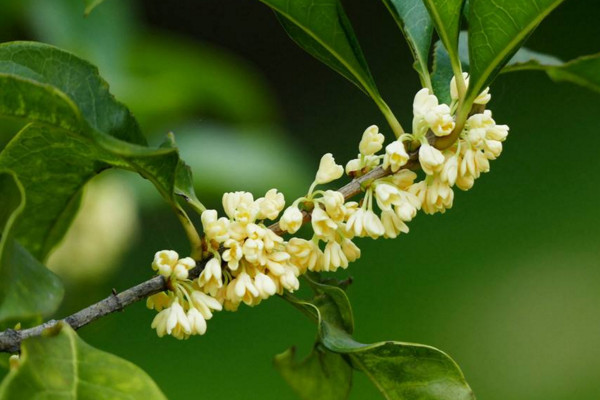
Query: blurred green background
[[507, 282]]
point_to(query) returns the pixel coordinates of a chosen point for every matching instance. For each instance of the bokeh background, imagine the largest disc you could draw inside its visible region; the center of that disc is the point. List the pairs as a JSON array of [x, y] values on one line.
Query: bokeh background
[[507, 282]]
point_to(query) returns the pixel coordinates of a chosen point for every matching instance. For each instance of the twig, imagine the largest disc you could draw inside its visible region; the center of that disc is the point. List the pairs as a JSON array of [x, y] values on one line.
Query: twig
[[10, 339]]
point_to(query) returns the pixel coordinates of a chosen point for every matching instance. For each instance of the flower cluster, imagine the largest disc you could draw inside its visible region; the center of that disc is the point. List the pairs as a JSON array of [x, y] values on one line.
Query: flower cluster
[[246, 262]]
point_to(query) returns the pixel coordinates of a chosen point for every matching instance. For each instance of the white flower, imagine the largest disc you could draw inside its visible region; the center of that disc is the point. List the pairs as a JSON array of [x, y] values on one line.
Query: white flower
[[271, 205], [322, 224], [450, 169], [159, 301], [492, 148], [265, 285], [440, 120], [210, 278], [465, 182], [215, 229], [483, 98], [254, 251], [197, 322], [244, 288], [182, 267], [371, 142], [403, 179], [289, 280], [205, 304], [431, 159], [233, 254], [497, 132], [387, 195], [334, 205], [164, 262], [305, 254], [395, 156], [351, 250], [172, 321], [276, 262], [365, 223], [291, 220], [392, 224], [328, 170], [423, 102], [240, 206], [439, 197], [334, 257]]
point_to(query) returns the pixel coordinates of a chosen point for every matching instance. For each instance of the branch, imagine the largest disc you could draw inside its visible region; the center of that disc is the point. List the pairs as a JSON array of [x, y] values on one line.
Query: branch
[[10, 340]]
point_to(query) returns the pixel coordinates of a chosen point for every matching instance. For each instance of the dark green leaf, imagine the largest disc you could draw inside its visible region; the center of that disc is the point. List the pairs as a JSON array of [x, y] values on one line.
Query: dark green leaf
[[60, 365], [400, 371], [446, 15], [85, 131], [321, 28], [27, 288], [497, 29], [416, 25], [583, 71], [323, 375]]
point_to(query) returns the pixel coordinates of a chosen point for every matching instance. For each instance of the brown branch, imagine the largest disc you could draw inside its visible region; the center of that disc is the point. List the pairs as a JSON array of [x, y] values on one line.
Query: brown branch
[[10, 340]]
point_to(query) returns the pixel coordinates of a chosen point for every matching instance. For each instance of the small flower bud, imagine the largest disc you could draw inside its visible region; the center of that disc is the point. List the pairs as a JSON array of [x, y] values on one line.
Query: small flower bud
[[371, 142], [395, 156], [291, 220], [328, 170], [431, 159]]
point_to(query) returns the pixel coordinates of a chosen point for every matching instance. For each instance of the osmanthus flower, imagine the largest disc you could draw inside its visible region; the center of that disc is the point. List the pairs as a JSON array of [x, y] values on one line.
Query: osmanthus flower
[[483, 98], [328, 170], [395, 156], [371, 142], [246, 262]]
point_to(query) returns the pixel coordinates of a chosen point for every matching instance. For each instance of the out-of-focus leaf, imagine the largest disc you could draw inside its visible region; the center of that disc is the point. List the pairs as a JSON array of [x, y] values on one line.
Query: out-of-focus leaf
[[198, 80], [323, 375], [497, 29], [321, 28], [416, 25], [86, 126], [583, 71], [27, 288], [59, 365], [446, 15], [399, 370], [91, 4]]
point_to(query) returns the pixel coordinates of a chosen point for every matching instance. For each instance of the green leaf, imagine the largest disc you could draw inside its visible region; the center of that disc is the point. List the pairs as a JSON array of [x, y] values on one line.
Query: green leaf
[[446, 15], [27, 288], [322, 29], [399, 370], [323, 375], [497, 29], [91, 4], [85, 130], [416, 25], [59, 365], [583, 71]]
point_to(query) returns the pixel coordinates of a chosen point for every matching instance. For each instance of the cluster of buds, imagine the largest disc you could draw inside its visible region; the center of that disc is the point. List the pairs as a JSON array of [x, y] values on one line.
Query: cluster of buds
[[246, 262]]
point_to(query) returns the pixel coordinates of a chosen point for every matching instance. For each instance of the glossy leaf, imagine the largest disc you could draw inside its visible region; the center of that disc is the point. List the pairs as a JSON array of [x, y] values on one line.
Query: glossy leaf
[[322, 29], [446, 16], [497, 29], [60, 365], [583, 71], [414, 21], [85, 131], [400, 371], [323, 375], [27, 288]]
